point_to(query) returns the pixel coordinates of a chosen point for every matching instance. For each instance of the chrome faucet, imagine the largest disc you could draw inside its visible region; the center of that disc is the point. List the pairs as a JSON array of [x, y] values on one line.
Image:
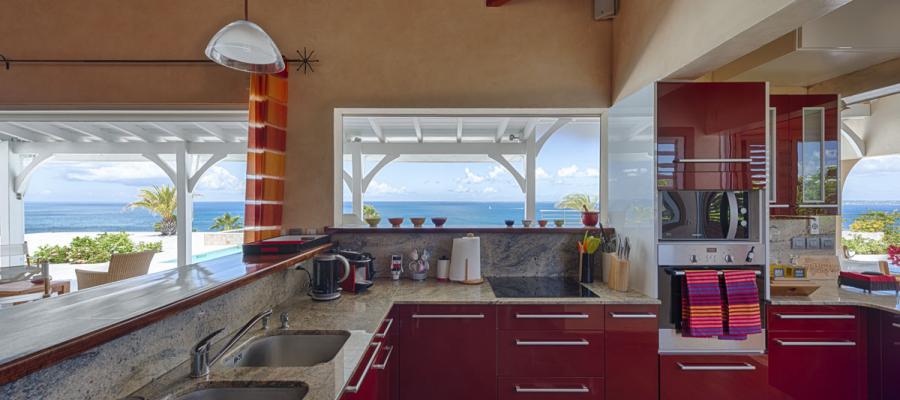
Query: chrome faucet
[[200, 360]]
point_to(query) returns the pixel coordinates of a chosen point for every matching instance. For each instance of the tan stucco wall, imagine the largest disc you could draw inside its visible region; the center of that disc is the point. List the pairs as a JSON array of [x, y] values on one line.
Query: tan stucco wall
[[376, 53], [882, 129]]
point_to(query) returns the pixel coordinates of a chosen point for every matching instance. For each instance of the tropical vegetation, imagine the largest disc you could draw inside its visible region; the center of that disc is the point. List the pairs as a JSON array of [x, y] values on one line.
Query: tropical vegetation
[[159, 200], [579, 201], [874, 221], [90, 250], [369, 211], [227, 222]]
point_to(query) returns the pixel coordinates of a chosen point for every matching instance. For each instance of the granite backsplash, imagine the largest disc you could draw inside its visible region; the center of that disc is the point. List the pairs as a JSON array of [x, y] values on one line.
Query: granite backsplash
[[783, 230]]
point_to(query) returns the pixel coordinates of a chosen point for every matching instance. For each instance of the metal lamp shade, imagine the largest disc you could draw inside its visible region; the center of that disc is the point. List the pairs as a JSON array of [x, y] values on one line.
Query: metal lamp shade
[[244, 46]]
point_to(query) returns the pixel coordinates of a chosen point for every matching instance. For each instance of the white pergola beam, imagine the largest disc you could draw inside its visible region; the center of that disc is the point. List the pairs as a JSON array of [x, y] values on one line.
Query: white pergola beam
[[136, 133], [356, 178], [560, 122], [211, 130], [185, 207], [44, 132], [856, 143], [12, 205], [173, 131], [154, 158], [88, 129], [512, 170], [23, 177], [459, 130], [377, 129], [195, 178], [126, 148], [530, 126], [441, 148], [22, 134], [381, 164], [75, 135], [418, 127], [501, 129], [124, 115], [530, 176]]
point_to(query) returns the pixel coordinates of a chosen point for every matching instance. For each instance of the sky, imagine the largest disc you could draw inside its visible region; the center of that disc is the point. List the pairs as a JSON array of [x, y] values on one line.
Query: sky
[[568, 163], [874, 179], [120, 182]]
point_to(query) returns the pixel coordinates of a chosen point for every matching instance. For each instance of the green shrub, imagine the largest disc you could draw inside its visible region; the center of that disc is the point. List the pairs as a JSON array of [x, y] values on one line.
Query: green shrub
[[876, 221], [861, 245], [90, 250]]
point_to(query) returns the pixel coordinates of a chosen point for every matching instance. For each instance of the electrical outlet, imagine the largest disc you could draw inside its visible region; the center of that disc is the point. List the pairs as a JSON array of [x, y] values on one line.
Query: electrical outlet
[[813, 243], [827, 242], [814, 226], [798, 243]]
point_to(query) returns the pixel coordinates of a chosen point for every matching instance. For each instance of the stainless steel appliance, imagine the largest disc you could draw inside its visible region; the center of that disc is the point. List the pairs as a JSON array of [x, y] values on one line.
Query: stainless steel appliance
[[674, 260], [329, 271], [708, 215]]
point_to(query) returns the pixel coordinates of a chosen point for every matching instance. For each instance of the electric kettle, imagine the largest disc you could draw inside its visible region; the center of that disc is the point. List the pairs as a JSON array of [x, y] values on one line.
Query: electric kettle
[[327, 276]]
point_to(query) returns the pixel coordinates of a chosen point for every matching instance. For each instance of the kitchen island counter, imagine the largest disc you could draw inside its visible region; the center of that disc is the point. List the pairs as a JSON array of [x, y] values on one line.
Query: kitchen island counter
[[829, 294]]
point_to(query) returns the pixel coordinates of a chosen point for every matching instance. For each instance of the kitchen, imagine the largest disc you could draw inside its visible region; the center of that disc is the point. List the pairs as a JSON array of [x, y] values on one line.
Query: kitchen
[[514, 316]]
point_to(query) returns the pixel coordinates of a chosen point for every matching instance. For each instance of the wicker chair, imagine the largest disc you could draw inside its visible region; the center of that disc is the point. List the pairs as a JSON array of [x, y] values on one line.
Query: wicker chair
[[886, 269], [121, 266]]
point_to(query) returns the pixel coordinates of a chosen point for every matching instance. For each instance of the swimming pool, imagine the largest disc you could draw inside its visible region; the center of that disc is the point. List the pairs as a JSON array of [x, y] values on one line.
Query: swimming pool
[[209, 255]]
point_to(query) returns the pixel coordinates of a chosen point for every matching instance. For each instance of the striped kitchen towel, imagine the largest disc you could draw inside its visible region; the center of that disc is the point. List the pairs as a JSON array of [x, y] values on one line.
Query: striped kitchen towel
[[742, 305], [701, 309]]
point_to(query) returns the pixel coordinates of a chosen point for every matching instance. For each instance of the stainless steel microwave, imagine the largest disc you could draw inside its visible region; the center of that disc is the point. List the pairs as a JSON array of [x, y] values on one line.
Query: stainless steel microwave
[[708, 215]]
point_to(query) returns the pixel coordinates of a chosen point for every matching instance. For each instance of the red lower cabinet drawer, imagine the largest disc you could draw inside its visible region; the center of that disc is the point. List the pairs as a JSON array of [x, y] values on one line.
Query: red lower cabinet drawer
[[550, 388], [551, 317], [712, 377], [818, 365], [813, 318], [550, 353]]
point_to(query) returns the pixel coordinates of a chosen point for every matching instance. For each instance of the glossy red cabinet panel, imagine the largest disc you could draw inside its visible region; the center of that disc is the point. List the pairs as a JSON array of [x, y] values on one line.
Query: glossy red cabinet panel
[[632, 345], [814, 318], [550, 388], [550, 353], [387, 363], [818, 365], [806, 159], [711, 135], [551, 317], [702, 377], [365, 379], [448, 352]]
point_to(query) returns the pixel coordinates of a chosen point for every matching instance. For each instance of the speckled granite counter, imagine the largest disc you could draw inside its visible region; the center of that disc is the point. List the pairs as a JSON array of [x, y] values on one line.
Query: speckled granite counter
[[830, 294], [361, 315]]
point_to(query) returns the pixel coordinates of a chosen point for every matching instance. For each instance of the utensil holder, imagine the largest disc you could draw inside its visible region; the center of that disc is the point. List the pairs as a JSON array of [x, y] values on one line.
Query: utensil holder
[[586, 268], [606, 260], [618, 274], [419, 276]]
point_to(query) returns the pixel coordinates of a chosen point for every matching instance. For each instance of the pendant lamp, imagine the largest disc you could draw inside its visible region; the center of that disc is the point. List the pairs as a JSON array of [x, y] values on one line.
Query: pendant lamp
[[244, 46]]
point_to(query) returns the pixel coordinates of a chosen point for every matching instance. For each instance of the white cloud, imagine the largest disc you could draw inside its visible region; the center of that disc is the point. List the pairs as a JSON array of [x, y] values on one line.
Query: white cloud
[[592, 172], [496, 171], [877, 166], [540, 173], [218, 178], [471, 177], [489, 190], [461, 189], [376, 187], [567, 171], [115, 172]]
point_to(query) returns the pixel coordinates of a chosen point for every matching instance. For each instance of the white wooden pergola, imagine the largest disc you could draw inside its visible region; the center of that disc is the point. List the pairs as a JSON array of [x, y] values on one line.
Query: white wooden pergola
[[503, 136], [183, 143]]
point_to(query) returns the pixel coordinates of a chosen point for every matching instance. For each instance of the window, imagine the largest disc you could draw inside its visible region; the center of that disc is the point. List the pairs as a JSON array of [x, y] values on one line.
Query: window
[[474, 167]]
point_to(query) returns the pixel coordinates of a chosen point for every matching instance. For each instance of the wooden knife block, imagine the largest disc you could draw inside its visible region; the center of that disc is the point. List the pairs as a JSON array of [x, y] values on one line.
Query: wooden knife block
[[618, 273]]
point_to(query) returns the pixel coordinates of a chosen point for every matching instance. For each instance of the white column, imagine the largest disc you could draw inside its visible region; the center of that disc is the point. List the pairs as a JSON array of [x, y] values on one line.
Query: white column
[[530, 176], [604, 171], [12, 205], [185, 211], [357, 179]]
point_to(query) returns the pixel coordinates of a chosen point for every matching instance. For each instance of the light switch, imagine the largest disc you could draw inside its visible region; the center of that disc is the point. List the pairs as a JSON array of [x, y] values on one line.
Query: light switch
[[813, 243], [827, 242], [798, 243]]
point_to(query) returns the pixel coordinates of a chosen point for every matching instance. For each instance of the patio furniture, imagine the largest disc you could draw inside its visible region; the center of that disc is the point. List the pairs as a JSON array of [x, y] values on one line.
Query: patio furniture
[[121, 266], [16, 253], [886, 269], [61, 286]]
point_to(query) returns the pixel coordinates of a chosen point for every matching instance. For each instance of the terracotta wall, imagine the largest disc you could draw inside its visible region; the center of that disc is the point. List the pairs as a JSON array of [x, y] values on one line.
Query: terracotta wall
[[376, 53]]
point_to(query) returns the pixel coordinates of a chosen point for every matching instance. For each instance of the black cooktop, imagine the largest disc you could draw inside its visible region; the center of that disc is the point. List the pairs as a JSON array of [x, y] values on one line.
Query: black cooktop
[[538, 287]]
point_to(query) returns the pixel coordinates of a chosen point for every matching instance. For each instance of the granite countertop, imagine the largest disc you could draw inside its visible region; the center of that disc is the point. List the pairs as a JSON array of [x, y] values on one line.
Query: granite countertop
[[830, 294], [361, 315]]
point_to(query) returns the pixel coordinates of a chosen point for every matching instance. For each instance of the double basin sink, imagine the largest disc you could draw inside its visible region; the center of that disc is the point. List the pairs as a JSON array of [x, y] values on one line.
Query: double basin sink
[[283, 349]]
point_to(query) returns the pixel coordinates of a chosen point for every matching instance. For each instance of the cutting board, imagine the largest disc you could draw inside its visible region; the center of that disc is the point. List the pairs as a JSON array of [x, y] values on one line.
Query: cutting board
[[792, 287], [820, 267]]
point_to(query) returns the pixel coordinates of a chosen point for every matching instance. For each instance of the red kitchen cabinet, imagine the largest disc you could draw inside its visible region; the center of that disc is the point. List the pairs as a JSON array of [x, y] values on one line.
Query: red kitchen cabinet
[[814, 318], [884, 355], [448, 352], [711, 135], [712, 377], [550, 388], [632, 345], [551, 317], [805, 155], [550, 353], [387, 364], [363, 384]]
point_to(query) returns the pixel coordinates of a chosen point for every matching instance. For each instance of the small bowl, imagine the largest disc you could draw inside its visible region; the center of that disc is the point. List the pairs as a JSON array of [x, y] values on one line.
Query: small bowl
[[373, 222], [509, 223], [395, 222], [559, 222], [438, 221], [542, 223], [526, 223], [417, 221]]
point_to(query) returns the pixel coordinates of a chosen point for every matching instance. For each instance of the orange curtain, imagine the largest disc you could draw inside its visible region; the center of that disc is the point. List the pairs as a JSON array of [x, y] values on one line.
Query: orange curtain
[[265, 156]]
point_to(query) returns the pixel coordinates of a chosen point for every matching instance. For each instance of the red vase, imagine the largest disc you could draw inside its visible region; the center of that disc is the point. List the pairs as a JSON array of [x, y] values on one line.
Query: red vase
[[590, 218]]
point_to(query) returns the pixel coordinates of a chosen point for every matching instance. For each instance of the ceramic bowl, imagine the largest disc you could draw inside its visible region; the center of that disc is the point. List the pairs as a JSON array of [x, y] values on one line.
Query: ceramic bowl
[[373, 222], [509, 223], [559, 222], [438, 221], [417, 221], [526, 223], [395, 222], [542, 223]]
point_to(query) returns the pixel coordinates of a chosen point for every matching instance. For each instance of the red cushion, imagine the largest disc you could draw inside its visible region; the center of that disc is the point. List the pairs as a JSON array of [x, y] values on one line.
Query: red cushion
[[866, 277]]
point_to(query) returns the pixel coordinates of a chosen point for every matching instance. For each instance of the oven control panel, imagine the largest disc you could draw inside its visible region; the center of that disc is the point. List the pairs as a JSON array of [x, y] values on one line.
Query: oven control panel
[[711, 254]]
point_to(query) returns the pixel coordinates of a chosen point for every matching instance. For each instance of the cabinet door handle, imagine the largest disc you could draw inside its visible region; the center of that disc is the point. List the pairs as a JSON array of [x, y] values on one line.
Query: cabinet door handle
[[390, 349], [896, 325], [741, 367], [632, 315], [714, 160], [580, 342], [552, 316], [815, 316], [808, 343], [582, 389], [448, 316], [779, 205], [390, 321], [355, 388]]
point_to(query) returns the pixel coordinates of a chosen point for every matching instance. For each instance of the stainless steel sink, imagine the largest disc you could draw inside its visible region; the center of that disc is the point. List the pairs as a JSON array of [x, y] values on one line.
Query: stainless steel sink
[[247, 393], [289, 349]]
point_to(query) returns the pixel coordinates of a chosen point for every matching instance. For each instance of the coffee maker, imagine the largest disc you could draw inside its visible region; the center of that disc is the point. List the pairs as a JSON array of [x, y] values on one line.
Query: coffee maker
[[362, 271], [329, 271]]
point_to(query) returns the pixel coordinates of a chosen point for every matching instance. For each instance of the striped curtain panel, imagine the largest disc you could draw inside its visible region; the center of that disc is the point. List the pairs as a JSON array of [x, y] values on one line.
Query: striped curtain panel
[[265, 156]]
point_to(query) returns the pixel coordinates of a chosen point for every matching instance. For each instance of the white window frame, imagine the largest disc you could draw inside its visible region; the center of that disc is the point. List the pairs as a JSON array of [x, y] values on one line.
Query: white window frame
[[530, 179]]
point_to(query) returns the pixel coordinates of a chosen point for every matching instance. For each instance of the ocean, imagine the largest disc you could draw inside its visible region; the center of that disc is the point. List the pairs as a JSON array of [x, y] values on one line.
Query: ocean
[[114, 217]]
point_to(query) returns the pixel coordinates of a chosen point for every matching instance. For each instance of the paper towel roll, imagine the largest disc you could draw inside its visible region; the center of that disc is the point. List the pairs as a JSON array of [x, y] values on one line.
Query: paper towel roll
[[465, 260]]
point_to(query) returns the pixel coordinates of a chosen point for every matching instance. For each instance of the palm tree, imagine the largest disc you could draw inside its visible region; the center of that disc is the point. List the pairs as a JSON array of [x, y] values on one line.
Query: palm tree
[[161, 201], [227, 222], [578, 201]]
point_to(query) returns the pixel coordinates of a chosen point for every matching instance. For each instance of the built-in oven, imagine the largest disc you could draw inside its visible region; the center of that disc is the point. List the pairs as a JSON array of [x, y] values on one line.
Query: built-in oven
[[708, 215], [674, 260]]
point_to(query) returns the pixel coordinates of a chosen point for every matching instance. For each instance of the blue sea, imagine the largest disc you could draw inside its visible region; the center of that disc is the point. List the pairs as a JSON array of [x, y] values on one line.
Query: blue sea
[[114, 217]]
